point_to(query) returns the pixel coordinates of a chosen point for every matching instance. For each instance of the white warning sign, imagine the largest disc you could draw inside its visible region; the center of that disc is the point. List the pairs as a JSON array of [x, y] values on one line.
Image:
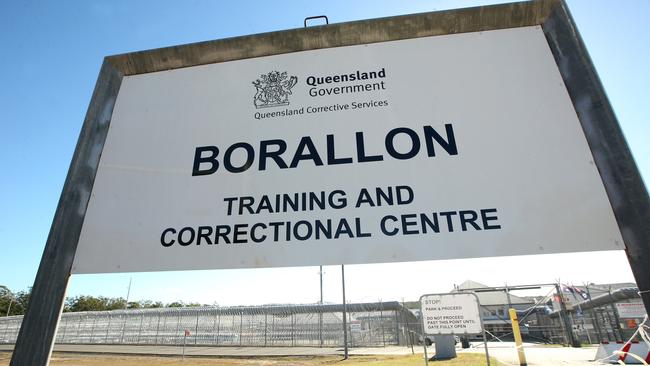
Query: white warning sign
[[451, 314]]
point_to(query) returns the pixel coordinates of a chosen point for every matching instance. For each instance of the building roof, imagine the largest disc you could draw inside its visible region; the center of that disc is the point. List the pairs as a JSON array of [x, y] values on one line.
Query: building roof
[[496, 297]]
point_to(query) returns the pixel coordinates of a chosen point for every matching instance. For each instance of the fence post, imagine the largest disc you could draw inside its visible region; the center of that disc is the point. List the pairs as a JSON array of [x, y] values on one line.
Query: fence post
[[63, 323], [607, 320], [565, 319], [214, 327], [381, 322], [140, 330], [108, 328], [155, 341], [266, 325], [320, 323], [617, 328], [123, 327], [272, 327], [218, 328], [184, 342], [594, 317], [4, 335], [596, 321], [292, 329], [350, 330], [241, 324], [92, 329], [196, 329], [409, 334], [79, 328], [178, 325], [397, 332]]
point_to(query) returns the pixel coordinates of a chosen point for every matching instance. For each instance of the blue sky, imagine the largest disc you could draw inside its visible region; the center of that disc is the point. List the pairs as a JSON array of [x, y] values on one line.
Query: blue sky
[[51, 55]]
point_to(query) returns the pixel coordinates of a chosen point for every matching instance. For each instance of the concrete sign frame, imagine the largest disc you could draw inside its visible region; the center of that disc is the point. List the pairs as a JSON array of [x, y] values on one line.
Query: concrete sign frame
[[625, 189]]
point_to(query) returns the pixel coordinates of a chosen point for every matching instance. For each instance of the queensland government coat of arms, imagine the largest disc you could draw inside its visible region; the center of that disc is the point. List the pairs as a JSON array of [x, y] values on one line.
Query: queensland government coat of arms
[[273, 89]]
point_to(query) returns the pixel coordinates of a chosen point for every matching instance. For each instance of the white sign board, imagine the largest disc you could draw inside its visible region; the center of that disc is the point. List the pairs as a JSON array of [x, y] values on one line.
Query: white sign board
[[451, 314], [453, 146], [632, 309]]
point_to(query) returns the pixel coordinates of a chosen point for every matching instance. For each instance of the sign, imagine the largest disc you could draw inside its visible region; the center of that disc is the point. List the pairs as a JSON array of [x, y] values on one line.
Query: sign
[[631, 323], [451, 314], [355, 326], [462, 133], [352, 154], [632, 309]]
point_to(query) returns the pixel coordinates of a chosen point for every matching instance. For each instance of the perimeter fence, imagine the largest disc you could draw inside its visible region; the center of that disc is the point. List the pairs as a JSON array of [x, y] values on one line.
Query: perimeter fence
[[369, 324]]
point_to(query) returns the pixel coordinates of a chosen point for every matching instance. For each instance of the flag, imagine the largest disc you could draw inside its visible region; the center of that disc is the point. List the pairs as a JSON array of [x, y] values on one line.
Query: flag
[[575, 291]]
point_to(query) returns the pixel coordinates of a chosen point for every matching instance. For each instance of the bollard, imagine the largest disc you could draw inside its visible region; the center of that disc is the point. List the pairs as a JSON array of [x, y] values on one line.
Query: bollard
[[517, 334]]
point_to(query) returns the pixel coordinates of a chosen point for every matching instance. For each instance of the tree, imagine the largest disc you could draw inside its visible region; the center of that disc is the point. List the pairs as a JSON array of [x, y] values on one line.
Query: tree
[[193, 305], [148, 304], [6, 298], [22, 301], [91, 303], [14, 303], [85, 303], [115, 304]]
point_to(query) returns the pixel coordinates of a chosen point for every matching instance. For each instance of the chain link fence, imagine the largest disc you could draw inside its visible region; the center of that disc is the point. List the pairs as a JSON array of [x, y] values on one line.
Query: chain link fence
[[369, 324]]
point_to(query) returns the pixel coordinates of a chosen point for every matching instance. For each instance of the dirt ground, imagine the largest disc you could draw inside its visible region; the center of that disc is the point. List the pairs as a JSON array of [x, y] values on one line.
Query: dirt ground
[[67, 359]]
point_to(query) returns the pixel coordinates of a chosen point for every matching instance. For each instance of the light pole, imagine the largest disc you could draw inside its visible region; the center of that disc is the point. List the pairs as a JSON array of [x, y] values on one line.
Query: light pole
[[320, 310], [128, 292], [11, 300], [345, 325], [321, 284]]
